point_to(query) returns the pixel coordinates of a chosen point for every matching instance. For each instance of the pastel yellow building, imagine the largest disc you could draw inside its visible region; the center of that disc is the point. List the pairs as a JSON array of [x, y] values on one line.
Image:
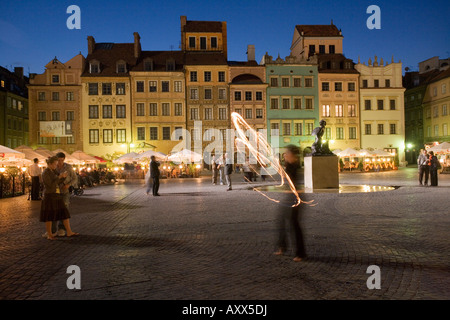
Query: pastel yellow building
[[55, 95], [158, 100]]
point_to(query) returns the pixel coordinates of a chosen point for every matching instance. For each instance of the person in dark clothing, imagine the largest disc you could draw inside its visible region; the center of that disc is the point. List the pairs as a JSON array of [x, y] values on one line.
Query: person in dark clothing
[[35, 173], [434, 166], [291, 215], [424, 169], [154, 175]]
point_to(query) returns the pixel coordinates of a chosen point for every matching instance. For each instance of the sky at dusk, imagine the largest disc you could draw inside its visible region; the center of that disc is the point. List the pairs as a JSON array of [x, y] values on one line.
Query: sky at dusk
[[34, 32]]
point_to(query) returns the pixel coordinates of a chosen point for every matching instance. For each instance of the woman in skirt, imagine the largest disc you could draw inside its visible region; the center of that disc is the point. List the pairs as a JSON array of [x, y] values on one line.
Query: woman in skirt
[[53, 207]]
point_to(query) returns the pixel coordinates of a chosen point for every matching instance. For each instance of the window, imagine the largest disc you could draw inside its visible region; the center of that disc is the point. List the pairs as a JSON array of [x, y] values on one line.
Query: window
[[55, 140], [55, 96], [376, 83], [327, 133], [325, 86], [152, 86], [338, 86], [239, 111], [56, 116], [312, 49], [297, 103], [221, 76], [141, 133], [393, 128], [121, 135], [121, 67], [351, 86], [222, 94], [259, 113], [139, 86], [120, 88], [208, 94], [107, 112], [392, 104], [298, 127], [192, 42], [121, 112], [193, 76], [237, 96], [153, 133], [368, 129], [339, 110], [140, 108], [196, 134], [93, 136], [428, 111], [309, 103], [94, 67], [93, 89], [106, 89], [170, 65], [435, 112], [444, 130], [274, 82], [339, 133], [70, 115], [178, 109], [286, 129], [387, 83], [41, 96], [436, 130], [428, 131], [309, 128], [165, 86], [55, 78], [351, 110], [364, 84], [93, 112], [352, 133], [326, 111], [380, 104], [194, 94], [331, 48], [166, 109], [297, 82], [69, 96], [222, 113], [194, 113], [148, 65], [208, 114], [444, 110], [286, 103], [203, 43], [275, 129], [71, 140], [213, 42], [207, 76], [153, 109], [322, 49], [308, 82], [367, 104], [285, 82], [274, 103], [381, 128], [248, 96], [248, 114], [166, 133], [444, 88], [178, 86]]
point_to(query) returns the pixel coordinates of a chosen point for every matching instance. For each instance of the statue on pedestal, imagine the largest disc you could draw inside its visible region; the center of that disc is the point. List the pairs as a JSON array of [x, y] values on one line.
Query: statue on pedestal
[[320, 148]]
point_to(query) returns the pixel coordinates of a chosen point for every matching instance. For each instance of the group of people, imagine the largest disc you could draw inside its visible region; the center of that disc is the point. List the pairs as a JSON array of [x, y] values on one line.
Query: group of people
[[56, 179], [428, 165], [222, 166]]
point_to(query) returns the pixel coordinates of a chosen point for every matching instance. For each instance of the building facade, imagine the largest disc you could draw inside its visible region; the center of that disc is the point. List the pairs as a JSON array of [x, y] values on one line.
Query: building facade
[[55, 96], [382, 107]]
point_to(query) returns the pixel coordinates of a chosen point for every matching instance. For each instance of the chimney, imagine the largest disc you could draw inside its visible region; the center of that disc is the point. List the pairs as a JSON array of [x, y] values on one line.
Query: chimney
[[224, 39], [251, 52], [183, 20], [137, 45], [91, 44], [18, 71]]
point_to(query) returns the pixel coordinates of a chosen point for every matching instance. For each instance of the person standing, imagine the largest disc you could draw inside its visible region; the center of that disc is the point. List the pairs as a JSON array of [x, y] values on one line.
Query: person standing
[[214, 171], [424, 168], [35, 173], [71, 180], [53, 208], [434, 166], [292, 214], [228, 170], [154, 175], [220, 168]]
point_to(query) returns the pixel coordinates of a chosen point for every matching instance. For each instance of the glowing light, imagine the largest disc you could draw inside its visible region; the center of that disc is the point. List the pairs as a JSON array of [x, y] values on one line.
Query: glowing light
[[331, 141], [2, 170], [131, 145], [197, 166], [24, 169], [164, 167], [123, 146], [89, 169], [388, 159], [367, 160], [116, 169], [409, 145], [180, 166], [265, 157]]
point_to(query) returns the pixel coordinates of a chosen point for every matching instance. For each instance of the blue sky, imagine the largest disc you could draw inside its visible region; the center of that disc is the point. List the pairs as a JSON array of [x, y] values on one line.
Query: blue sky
[[34, 32]]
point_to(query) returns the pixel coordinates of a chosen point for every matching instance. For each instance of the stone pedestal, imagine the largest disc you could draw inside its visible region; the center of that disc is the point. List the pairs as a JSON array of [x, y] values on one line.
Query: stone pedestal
[[321, 172]]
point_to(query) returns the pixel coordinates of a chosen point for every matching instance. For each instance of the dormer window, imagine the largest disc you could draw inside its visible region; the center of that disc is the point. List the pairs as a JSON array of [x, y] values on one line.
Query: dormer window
[[148, 65], [94, 67], [121, 67], [170, 65]]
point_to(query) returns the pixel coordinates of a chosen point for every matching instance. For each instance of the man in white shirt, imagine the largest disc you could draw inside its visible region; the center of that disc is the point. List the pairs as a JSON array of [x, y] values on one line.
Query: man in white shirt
[[35, 173], [424, 169]]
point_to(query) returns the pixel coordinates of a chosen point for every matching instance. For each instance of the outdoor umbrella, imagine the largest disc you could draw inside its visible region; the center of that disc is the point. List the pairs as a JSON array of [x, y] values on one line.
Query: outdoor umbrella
[[7, 153], [380, 153], [336, 152], [84, 157], [441, 148], [149, 153], [30, 154], [185, 156], [45, 152], [69, 158], [126, 158], [349, 152]]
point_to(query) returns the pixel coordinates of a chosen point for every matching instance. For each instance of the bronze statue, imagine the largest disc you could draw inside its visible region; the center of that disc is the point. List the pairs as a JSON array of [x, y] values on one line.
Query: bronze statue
[[320, 148]]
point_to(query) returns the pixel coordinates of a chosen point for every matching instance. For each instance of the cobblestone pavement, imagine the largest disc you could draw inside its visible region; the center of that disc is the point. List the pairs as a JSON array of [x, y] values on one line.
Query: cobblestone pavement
[[199, 242]]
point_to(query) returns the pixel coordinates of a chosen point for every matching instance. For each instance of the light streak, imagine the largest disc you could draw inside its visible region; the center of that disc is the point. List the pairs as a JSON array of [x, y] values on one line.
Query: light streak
[[265, 156]]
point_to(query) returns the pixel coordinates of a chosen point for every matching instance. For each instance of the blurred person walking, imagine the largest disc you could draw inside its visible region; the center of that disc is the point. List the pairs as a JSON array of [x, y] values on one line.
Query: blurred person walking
[[424, 168], [35, 173], [434, 167], [154, 175]]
